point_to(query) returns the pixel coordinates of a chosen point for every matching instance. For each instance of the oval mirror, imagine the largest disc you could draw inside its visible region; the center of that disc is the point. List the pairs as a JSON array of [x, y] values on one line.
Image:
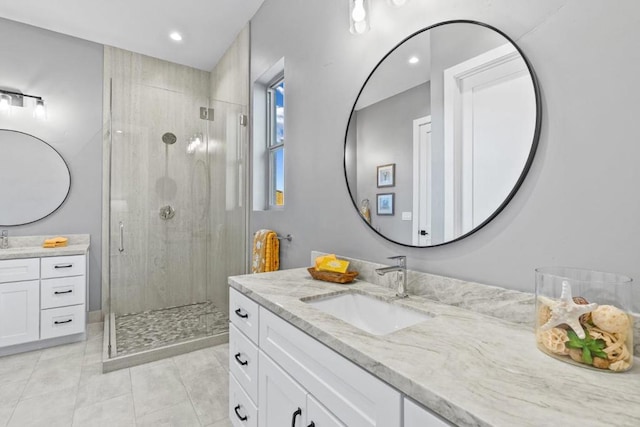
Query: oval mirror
[[34, 178], [442, 134]]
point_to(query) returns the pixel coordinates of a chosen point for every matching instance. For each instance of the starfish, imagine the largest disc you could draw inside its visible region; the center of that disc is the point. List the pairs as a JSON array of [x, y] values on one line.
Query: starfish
[[567, 311]]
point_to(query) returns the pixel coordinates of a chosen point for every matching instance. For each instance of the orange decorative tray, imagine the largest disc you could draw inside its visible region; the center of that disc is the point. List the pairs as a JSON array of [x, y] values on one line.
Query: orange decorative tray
[[329, 276]]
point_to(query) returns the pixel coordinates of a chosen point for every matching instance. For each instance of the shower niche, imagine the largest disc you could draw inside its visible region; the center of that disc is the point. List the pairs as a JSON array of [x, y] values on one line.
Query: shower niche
[[173, 236]]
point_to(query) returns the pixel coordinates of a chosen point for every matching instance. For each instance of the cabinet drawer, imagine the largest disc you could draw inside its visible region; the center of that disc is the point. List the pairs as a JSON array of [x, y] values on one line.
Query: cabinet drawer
[[329, 377], [63, 266], [62, 292], [242, 412], [18, 270], [243, 313], [57, 322], [243, 362]]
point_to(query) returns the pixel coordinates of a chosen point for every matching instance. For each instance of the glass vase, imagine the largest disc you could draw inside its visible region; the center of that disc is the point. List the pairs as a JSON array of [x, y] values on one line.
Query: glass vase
[[584, 317]]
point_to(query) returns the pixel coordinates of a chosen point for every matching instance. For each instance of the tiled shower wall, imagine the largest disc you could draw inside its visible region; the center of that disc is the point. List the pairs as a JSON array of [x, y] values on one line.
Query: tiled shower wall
[[185, 259], [164, 261]]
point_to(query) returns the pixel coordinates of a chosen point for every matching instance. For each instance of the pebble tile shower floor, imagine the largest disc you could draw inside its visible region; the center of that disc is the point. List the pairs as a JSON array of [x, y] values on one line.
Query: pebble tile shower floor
[[64, 386], [157, 328]]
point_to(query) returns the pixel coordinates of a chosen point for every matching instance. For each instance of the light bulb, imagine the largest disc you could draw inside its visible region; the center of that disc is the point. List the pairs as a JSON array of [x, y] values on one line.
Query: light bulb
[[360, 27], [40, 112], [5, 103], [414, 60], [175, 36], [358, 14]]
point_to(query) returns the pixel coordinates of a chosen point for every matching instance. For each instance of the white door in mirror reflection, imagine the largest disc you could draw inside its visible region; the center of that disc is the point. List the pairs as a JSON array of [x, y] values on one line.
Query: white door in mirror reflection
[[422, 181], [488, 104]]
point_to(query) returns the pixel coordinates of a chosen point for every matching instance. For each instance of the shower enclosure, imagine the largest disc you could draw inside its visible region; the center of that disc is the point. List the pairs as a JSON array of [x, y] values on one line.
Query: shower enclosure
[[176, 215]]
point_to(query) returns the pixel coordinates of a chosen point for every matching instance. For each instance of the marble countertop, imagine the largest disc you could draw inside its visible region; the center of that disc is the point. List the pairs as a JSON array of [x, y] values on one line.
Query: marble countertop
[[31, 247], [468, 367]]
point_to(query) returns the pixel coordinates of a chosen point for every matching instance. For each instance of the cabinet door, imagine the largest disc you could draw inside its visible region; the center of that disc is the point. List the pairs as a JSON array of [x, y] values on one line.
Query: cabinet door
[[418, 416], [281, 400], [319, 416], [19, 312]]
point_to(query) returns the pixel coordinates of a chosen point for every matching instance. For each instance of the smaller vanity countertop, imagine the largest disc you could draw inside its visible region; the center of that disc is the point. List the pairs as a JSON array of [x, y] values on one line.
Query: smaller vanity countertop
[[470, 368], [31, 247]]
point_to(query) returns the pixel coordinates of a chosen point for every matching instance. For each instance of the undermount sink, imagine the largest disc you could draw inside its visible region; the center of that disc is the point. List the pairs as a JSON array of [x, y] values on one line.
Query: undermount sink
[[373, 315]]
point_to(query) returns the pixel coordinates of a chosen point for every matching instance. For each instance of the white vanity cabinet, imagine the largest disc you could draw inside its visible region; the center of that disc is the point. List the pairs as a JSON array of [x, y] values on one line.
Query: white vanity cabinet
[[298, 381], [41, 299], [243, 360], [284, 402], [19, 301], [62, 296]]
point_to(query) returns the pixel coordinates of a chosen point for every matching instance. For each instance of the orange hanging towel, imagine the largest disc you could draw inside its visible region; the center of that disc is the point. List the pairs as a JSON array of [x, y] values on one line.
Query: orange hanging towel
[[266, 252]]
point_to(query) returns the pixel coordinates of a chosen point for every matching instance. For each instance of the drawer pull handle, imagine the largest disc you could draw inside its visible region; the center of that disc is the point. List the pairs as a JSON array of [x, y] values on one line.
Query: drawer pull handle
[[63, 292], [63, 266], [295, 415], [240, 417], [60, 322], [242, 362], [240, 314]]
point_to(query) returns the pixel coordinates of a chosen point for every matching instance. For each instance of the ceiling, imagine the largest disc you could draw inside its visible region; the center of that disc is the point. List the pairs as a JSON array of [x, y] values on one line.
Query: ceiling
[[395, 74], [208, 27]]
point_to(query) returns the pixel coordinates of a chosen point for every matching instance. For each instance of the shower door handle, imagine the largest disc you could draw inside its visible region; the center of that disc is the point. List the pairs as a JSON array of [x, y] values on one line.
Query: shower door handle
[[121, 248]]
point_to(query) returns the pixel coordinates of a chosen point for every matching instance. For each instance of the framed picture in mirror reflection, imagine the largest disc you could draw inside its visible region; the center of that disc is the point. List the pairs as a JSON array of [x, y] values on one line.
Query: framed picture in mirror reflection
[[384, 203], [386, 175]]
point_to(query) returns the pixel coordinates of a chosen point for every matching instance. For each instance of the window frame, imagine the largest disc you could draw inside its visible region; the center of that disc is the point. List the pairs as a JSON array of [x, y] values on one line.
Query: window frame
[[272, 145]]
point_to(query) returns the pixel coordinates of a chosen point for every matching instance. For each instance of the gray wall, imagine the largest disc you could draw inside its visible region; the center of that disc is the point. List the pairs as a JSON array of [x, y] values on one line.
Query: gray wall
[[67, 73], [577, 207], [385, 135]]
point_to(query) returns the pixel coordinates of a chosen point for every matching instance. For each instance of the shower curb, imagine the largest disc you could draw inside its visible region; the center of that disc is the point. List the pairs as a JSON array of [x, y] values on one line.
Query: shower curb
[[152, 355]]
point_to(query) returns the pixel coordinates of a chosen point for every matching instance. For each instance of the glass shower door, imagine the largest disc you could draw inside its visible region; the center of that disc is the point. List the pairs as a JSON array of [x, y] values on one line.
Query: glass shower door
[[160, 199]]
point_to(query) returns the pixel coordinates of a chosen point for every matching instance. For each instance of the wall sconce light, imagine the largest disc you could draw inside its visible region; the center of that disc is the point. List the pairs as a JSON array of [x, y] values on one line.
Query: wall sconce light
[[358, 16], [9, 99]]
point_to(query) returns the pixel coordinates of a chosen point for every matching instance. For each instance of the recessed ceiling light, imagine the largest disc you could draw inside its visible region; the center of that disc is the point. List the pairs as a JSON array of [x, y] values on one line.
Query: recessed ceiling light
[[414, 60], [176, 36]]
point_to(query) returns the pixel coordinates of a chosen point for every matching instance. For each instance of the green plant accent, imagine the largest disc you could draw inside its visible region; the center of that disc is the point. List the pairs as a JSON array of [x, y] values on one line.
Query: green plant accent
[[590, 347]]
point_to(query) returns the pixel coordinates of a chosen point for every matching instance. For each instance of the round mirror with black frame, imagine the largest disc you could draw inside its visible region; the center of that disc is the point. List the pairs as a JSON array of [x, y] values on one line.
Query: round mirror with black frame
[[442, 134], [34, 178]]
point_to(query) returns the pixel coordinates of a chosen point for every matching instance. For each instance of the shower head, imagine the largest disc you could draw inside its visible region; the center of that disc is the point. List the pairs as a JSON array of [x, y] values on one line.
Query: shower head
[[169, 138]]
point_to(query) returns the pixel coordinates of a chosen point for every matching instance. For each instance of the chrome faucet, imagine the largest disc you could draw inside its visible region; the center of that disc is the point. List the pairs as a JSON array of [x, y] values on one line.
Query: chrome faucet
[[4, 240], [401, 269]]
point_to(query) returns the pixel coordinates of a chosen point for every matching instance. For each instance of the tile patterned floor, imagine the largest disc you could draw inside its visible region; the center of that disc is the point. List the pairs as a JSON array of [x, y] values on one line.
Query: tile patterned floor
[[64, 386], [157, 328]]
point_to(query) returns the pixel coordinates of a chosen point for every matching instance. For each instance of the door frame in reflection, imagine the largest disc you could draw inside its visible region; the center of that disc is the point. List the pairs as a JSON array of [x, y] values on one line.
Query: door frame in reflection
[[495, 67], [422, 181]]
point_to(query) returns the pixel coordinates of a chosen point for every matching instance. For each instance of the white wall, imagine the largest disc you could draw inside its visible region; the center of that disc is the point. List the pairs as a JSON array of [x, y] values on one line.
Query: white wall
[[67, 73], [579, 205]]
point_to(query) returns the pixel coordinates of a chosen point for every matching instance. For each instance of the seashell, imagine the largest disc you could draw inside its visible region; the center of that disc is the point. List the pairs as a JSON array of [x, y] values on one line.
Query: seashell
[[580, 300], [554, 340], [576, 354], [610, 319], [585, 318], [601, 363], [544, 314]]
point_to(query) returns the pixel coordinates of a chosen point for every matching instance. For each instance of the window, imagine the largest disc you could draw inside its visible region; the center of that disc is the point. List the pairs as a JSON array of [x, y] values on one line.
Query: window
[[275, 141], [267, 139]]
